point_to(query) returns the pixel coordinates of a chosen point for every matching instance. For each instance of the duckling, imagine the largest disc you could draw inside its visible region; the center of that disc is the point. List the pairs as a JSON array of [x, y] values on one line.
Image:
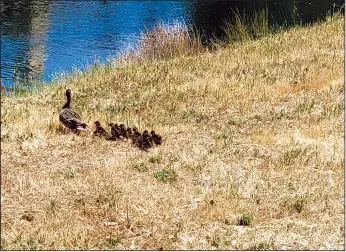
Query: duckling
[[136, 135], [129, 133], [142, 141], [69, 118], [157, 139], [114, 132], [146, 139], [122, 131], [151, 141], [100, 131]]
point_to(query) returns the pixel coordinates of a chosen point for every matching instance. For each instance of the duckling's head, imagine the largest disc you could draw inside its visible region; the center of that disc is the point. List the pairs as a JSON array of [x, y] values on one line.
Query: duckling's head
[[111, 124], [135, 129], [145, 133], [97, 123], [122, 126], [129, 130], [152, 132]]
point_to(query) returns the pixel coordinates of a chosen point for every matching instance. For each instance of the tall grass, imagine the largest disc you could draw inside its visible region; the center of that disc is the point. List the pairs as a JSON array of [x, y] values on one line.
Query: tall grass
[[243, 28], [165, 41], [169, 41]]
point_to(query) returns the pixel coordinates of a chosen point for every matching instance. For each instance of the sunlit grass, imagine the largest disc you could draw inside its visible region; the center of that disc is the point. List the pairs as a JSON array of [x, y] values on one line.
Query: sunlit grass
[[252, 131], [164, 42]]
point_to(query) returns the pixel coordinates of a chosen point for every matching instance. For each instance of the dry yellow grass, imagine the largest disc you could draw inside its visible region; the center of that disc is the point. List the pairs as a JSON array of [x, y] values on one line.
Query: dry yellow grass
[[255, 128]]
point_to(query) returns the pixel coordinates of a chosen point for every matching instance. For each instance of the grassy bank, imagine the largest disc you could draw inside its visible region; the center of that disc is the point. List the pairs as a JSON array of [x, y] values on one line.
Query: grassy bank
[[252, 130]]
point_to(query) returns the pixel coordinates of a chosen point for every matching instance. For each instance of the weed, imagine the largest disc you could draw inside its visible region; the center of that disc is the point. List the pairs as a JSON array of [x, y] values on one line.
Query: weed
[[115, 110], [333, 110], [258, 117], [225, 138], [289, 157], [215, 241], [305, 107], [222, 135], [30, 244], [245, 220], [69, 174], [193, 115], [156, 159], [112, 242], [227, 243], [112, 110], [298, 205], [196, 169], [166, 175], [141, 167], [109, 196], [266, 245], [232, 122], [52, 207]]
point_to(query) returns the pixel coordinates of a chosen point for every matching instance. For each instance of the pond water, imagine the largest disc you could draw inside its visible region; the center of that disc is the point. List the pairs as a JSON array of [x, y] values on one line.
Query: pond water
[[42, 38]]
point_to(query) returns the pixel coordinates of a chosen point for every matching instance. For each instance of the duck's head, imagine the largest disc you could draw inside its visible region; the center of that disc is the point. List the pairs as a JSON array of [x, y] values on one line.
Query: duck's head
[[68, 92]]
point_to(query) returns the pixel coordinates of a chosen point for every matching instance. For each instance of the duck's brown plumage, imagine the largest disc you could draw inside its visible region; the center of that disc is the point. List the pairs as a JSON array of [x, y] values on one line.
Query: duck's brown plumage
[[70, 118]]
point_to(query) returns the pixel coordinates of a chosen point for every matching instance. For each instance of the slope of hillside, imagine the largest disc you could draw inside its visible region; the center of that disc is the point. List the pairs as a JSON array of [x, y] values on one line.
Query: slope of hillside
[[254, 129]]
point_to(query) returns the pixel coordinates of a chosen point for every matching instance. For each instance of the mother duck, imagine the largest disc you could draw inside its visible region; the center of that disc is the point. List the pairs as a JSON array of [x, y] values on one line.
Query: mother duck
[[70, 118]]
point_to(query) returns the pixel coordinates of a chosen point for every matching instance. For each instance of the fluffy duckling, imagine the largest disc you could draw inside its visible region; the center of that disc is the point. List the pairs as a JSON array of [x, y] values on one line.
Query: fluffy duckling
[[143, 142], [136, 135], [129, 133], [146, 139], [157, 139], [100, 131], [122, 131], [69, 118], [114, 132]]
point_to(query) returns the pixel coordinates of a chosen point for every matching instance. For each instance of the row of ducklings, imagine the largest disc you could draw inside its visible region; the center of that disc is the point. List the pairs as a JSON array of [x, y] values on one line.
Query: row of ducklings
[[119, 132], [73, 121]]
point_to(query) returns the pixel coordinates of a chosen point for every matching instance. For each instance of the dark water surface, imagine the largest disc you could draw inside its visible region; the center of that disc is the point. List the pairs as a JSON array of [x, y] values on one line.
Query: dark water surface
[[42, 38]]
